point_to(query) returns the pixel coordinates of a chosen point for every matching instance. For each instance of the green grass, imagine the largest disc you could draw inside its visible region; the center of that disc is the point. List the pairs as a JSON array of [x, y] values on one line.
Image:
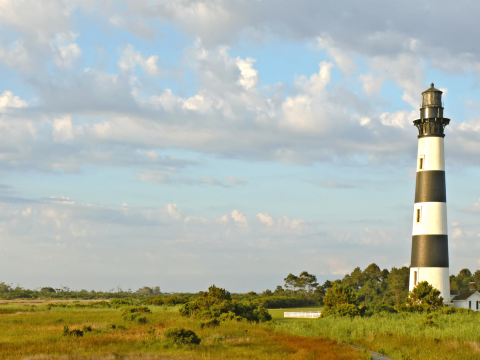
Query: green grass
[[39, 335], [402, 336]]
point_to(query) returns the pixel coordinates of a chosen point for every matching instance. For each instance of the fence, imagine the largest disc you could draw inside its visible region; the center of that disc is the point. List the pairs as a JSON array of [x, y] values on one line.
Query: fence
[[303, 314]]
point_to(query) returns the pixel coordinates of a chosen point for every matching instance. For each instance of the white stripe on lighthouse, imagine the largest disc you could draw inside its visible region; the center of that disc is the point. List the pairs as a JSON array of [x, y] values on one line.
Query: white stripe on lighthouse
[[438, 277], [430, 218], [431, 151]]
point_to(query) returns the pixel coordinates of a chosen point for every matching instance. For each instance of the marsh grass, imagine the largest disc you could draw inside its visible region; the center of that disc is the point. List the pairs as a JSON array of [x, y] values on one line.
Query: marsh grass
[[402, 336], [38, 335]]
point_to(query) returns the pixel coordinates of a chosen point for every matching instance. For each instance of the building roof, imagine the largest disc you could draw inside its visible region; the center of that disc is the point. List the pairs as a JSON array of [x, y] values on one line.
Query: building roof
[[465, 295], [432, 89]]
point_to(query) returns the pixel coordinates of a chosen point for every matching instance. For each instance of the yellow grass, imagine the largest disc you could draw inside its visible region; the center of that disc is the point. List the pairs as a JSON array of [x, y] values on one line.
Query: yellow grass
[[38, 335]]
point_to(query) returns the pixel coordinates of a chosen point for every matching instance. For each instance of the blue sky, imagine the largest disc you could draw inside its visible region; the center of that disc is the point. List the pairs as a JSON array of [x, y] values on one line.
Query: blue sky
[[185, 143]]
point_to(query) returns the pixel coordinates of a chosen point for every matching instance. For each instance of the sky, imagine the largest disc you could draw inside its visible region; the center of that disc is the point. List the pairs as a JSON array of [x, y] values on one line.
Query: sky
[[185, 143]]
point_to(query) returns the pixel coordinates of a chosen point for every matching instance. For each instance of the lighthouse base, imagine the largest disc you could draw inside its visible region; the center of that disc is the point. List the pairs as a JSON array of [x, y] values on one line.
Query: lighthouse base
[[438, 277]]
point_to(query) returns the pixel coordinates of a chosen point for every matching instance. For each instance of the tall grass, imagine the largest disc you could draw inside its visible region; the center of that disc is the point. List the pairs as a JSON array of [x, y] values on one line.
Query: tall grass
[[403, 336], [39, 335]]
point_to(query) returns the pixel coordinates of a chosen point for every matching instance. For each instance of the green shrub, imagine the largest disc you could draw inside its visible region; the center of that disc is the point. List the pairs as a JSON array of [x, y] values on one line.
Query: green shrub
[[423, 298], [138, 309], [182, 336], [351, 310], [217, 303], [340, 301], [116, 303], [68, 332], [165, 300]]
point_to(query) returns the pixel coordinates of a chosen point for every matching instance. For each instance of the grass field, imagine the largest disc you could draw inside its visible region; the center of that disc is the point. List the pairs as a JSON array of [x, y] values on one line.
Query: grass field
[[36, 333], [401, 336]]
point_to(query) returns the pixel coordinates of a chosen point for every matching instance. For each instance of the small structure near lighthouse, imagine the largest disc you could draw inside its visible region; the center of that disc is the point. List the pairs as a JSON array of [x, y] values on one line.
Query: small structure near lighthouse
[[429, 260], [469, 299]]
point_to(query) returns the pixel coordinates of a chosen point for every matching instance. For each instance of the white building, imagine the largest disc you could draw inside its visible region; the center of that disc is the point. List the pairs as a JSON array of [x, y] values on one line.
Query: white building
[[469, 299]]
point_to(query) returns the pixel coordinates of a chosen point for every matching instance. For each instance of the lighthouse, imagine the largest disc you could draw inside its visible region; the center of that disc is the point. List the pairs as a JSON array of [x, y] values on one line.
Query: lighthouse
[[429, 260]]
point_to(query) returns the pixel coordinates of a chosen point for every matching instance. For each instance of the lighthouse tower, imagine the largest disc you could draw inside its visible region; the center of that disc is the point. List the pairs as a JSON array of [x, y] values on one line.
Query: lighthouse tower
[[430, 237]]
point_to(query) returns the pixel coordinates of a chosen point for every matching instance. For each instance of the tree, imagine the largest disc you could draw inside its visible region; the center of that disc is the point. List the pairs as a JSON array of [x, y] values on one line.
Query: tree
[[291, 282], [476, 276], [340, 300], [145, 291], [464, 273], [339, 294], [279, 290], [326, 285], [372, 272], [370, 293], [307, 281], [424, 297], [217, 303], [358, 278], [453, 283], [268, 292], [47, 289], [397, 284]]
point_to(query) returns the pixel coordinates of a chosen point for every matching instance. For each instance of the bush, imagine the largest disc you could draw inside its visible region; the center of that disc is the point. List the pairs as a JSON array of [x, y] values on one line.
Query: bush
[[182, 336], [279, 302], [139, 309], [68, 332], [423, 298], [166, 300], [218, 304], [340, 301], [209, 323], [116, 303], [135, 317], [351, 310]]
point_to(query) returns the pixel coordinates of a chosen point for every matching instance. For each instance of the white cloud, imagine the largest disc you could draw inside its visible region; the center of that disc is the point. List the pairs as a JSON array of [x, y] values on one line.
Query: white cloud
[[8, 100], [248, 75], [62, 129], [15, 55], [173, 211], [238, 217], [266, 219], [343, 58], [371, 84], [131, 58], [400, 119]]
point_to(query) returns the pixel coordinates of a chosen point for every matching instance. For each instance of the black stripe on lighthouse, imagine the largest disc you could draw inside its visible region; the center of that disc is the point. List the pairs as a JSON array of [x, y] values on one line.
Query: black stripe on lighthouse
[[429, 251], [430, 186]]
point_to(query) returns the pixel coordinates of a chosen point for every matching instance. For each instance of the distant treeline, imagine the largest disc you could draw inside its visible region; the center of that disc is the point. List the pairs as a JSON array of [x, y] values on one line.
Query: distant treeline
[[372, 286]]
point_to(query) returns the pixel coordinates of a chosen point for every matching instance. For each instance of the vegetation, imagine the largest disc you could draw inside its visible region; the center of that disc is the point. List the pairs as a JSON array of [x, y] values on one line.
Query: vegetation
[[182, 337], [370, 308], [102, 333], [218, 304], [444, 334]]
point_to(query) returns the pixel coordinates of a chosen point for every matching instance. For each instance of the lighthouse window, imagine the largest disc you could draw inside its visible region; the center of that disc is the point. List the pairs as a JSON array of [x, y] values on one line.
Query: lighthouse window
[[415, 278], [418, 215], [421, 162]]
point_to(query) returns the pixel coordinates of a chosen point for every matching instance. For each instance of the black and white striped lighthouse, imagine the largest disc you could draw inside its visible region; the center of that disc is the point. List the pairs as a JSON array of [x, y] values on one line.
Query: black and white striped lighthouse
[[430, 237]]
